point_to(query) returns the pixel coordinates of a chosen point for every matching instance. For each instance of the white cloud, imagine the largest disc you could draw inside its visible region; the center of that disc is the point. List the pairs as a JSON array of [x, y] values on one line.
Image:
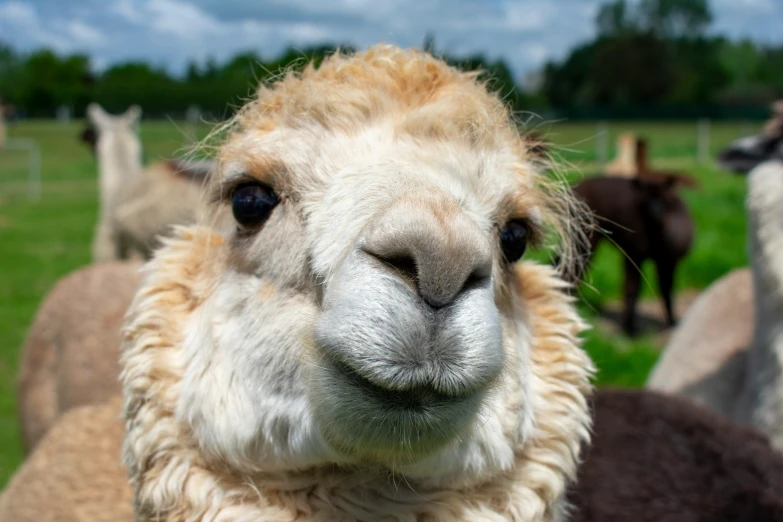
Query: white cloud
[[525, 16], [181, 19], [127, 10], [84, 33], [18, 12]]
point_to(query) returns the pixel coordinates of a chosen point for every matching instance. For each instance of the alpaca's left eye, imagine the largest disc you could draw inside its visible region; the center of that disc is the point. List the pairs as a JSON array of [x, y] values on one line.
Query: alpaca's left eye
[[252, 204], [513, 239]]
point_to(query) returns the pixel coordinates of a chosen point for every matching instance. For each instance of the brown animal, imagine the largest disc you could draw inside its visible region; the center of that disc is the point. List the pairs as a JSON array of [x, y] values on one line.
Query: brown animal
[[658, 458], [71, 355], [646, 219]]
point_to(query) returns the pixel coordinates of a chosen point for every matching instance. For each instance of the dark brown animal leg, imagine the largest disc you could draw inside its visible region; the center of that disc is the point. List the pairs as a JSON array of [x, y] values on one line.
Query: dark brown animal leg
[[665, 271], [633, 278]]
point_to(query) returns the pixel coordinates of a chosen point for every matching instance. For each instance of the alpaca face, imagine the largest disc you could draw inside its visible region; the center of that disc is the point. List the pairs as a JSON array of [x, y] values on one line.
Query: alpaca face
[[361, 308]]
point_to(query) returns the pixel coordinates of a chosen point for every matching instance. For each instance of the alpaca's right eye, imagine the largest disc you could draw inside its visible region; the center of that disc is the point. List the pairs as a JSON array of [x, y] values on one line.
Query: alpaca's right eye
[[252, 203]]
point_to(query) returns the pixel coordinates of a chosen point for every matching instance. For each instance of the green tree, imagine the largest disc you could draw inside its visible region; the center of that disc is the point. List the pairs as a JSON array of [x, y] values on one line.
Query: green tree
[[675, 18]]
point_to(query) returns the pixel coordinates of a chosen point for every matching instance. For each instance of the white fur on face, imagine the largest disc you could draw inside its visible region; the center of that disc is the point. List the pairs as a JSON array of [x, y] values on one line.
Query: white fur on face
[[311, 350]]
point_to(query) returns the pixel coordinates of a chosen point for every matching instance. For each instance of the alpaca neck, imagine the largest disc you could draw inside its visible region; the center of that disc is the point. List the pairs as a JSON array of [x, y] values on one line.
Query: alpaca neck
[[625, 155], [761, 403], [117, 164]]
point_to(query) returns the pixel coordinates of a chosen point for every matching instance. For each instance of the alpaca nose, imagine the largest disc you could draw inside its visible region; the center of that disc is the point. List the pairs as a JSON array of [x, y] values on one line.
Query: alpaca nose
[[434, 246]]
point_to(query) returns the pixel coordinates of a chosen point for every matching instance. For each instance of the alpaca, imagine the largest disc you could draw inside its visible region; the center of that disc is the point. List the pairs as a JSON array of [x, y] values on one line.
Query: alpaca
[[705, 356], [366, 221], [742, 378], [624, 165], [75, 474], [138, 205], [655, 457], [349, 336], [71, 355], [646, 219]]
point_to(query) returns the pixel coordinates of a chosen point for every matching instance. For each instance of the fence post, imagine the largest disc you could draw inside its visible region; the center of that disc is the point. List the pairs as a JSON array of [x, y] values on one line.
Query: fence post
[[703, 153], [34, 175], [192, 118], [601, 142], [63, 114]]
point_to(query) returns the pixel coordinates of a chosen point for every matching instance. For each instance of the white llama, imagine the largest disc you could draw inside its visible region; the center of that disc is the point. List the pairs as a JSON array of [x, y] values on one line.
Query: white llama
[[138, 205], [727, 353]]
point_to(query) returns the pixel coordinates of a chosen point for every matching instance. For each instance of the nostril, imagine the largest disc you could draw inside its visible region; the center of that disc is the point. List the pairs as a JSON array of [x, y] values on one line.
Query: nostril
[[403, 265], [475, 279]]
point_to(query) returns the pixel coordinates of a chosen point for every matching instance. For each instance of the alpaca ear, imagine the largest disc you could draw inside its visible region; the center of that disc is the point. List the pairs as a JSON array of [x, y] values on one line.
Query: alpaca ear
[[98, 116], [133, 114]]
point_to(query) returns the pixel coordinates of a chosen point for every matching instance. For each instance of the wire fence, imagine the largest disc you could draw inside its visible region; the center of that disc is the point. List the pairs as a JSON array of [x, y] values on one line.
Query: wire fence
[[35, 148]]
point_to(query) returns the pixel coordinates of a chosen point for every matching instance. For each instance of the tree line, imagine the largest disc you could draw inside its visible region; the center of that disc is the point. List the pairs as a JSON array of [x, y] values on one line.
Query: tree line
[[649, 56]]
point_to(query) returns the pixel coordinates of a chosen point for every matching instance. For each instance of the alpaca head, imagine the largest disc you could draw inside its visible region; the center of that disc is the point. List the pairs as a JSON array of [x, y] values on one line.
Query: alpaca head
[[355, 299], [116, 138], [744, 154]]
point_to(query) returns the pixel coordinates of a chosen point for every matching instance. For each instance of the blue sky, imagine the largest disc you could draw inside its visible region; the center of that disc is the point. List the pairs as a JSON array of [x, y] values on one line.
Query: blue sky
[[170, 32]]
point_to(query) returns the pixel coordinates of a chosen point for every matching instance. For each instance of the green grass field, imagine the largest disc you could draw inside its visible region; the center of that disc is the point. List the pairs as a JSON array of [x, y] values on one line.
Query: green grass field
[[40, 242]]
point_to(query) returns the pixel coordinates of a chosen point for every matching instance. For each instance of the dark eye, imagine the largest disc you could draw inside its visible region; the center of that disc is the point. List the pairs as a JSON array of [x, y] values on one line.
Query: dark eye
[[252, 204], [513, 240]]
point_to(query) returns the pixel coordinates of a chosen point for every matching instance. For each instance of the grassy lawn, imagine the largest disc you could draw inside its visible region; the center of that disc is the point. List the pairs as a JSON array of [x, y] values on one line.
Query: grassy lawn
[[40, 242]]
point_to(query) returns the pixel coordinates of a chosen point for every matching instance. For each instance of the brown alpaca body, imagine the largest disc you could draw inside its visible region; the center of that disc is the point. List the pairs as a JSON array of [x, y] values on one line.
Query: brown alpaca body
[[655, 457], [71, 355], [646, 220]]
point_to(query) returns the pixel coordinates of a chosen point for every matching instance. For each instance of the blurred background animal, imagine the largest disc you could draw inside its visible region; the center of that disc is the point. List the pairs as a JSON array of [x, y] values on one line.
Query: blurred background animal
[[645, 219], [727, 353], [624, 165], [138, 204], [744, 154], [71, 355]]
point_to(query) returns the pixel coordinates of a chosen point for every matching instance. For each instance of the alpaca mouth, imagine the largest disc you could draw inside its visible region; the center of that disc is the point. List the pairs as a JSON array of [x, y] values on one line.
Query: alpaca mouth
[[416, 399], [370, 422]]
